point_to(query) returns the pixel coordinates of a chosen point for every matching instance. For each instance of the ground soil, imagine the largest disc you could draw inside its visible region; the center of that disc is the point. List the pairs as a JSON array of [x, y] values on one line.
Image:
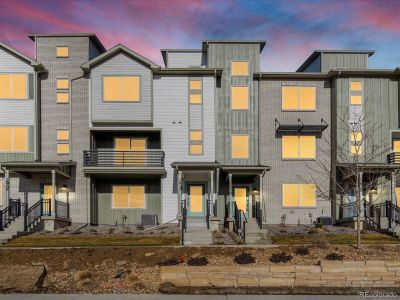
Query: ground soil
[[135, 270]]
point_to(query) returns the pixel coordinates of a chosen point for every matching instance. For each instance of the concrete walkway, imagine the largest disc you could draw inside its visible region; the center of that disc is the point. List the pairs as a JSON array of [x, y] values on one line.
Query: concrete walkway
[[172, 297], [197, 233]]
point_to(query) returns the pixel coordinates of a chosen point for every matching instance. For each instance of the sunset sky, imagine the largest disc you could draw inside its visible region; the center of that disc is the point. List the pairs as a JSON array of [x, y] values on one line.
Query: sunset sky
[[292, 29]]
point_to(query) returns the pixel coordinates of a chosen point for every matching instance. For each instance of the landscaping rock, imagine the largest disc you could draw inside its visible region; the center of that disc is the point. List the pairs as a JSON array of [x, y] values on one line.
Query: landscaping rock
[[149, 254], [19, 278], [121, 263], [119, 274]]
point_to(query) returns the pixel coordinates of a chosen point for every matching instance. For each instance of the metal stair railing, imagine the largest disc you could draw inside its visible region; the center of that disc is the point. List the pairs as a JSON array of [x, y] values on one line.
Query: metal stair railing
[[184, 221], [208, 211], [392, 213], [372, 214], [10, 213], [36, 211], [258, 214]]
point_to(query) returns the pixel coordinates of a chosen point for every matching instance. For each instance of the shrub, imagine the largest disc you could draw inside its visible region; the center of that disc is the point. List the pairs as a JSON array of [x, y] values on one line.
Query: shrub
[[302, 250], [198, 261], [334, 256], [172, 261], [318, 225], [280, 257], [83, 274], [320, 242], [244, 258]]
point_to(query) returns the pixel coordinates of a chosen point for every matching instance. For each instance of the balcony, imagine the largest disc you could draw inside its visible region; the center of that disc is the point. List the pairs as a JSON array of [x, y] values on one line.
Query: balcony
[[123, 162], [393, 158]]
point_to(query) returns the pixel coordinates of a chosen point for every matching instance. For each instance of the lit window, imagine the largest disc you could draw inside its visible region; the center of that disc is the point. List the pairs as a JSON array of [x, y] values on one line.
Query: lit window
[[356, 86], [240, 146], [63, 144], [195, 91], [298, 98], [196, 142], [356, 99], [298, 147], [121, 88], [239, 68], [13, 139], [62, 51], [132, 196], [356, 136], [356, 92], [298, 195], [62, 148], [63, 135], [62, 97], [240, 97], [62, 84], [13, 86], [356, 149]]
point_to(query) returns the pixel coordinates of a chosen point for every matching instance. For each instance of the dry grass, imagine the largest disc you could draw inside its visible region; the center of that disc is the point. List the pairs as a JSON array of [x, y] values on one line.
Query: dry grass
[[366, 238], [92, 241]]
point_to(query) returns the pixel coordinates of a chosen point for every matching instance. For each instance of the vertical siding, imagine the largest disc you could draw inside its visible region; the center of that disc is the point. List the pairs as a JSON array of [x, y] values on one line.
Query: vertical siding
[[171, 115], [343, 60], [121, 64], [185, 59], [230, 122], [292, 171], [315, 66], [380, 108]]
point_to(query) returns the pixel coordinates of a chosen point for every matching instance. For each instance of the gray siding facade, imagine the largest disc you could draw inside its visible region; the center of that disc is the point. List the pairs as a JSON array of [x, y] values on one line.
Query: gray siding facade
[[171, 115], [358, 61], [229, 121], [121, 112], [188, 59], [292, 171]]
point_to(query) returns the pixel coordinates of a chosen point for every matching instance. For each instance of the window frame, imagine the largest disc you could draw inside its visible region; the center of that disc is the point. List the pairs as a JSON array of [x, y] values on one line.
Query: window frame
[[12, 139], [121, 101], [240, 60], [248, 97], [248, 146], [298, 109], [298, 199], [62, 46], [197, 90], [298, 149], [129, 199], [26, 86]]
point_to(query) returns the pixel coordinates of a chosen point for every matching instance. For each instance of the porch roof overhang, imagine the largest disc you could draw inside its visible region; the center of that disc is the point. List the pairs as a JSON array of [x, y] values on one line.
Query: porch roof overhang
[[196, 165], [245, 170], [370, 168], [123, 171], [61, 168], [300, 127]]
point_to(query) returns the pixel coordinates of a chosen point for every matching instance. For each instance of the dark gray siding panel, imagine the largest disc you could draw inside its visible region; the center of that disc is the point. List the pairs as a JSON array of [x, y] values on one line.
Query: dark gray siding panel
[[292, 171], [230, 122], [315, 66], [343, 60], [102, 111], [185, 59], [109, 216], [380, 98]]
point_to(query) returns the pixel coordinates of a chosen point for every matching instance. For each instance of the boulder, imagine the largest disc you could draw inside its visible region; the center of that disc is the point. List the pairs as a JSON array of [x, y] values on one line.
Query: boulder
[[21, 278]]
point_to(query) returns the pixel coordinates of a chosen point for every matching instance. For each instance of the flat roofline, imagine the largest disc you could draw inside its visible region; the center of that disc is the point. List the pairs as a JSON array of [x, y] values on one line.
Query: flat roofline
[[315, 75], [262, 43], [188, 71], [316, 53], [181, 50], [93, 37]]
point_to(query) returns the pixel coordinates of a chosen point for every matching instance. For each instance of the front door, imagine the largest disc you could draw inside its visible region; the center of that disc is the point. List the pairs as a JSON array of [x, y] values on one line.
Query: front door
[[196, 207], [46, 195], [242, 199]]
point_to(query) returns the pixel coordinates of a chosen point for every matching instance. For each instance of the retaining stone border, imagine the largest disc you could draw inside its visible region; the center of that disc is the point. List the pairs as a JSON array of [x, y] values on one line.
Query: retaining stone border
[[327, 274]]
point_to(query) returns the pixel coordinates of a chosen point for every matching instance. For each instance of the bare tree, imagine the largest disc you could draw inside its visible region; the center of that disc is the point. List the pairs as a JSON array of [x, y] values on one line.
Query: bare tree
[[359, 151]]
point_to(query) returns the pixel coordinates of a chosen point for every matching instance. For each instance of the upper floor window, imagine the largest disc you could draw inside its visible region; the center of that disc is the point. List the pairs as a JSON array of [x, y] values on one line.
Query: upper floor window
[[356, 92], [239, 68], [240, 146], [298, 195], [298, 98], [62, 91], [62, 51], [298, 147], [240, 97], [13, 86], [195, 91], [13, 139], [121, 88], [196, 142], [62, 141]]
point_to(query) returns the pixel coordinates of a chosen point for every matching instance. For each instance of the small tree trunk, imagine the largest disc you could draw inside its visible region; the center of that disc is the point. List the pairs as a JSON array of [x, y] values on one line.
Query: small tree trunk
[[358, 206]]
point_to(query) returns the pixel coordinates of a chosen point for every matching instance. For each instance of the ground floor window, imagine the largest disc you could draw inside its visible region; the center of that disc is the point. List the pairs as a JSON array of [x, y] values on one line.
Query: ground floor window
[[128, 196], [298, 195]]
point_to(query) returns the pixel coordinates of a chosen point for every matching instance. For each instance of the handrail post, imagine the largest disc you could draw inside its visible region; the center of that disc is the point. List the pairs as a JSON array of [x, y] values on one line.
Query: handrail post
[[1, 221]]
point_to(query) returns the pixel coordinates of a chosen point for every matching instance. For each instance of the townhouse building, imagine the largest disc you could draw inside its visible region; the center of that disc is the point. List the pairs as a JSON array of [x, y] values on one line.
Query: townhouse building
[[109, 137]]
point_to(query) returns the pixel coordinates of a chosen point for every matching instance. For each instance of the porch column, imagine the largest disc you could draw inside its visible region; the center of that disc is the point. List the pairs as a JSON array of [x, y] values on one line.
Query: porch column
[[260, 177], [53, 196], [212, 192], [7, 183], [230, 195], [393, 188], [179, 192]]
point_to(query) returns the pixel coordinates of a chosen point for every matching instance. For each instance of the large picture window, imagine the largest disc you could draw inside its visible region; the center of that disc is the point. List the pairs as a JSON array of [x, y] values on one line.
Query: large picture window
[[240, 146], [239, 68], [240, 97], [128, 196], [298, 98], [298, 147], [298, 195], [14, 86], [121, 88], [13, 139]]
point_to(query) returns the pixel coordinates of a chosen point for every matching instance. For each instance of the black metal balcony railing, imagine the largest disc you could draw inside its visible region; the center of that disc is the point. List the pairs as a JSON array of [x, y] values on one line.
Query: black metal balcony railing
[[110, 158], [393, 158]]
